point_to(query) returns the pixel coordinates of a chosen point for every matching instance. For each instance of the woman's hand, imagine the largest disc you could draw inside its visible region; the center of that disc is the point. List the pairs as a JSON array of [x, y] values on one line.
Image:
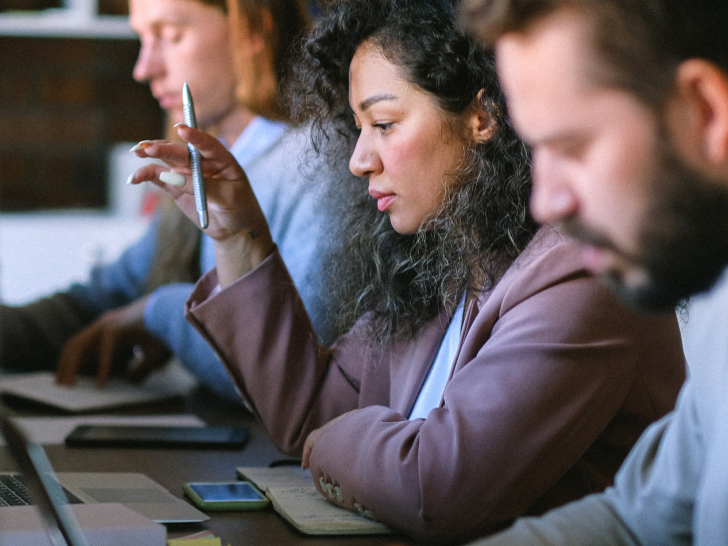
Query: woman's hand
[[313, 437], [236, 222]]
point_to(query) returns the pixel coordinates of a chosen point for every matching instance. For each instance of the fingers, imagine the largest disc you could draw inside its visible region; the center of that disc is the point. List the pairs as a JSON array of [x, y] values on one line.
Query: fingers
[[75, 354], [173, 182], [208, 145], [217, 161], [173, 154], [107, 349], [308, 448], [147, 359]]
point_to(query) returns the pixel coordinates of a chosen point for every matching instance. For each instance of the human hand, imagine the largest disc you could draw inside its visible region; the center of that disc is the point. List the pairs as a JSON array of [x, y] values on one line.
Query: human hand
[[232, 205], [117, 337], [313, 437], [236, 222]]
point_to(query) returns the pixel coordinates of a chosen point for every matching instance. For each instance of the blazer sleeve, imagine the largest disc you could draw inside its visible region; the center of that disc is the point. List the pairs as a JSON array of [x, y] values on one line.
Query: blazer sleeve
[[543, 370], [260, 330]]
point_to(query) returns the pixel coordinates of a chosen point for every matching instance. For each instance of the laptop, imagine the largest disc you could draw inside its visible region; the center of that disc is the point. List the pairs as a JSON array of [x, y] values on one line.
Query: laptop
[[59, 520], [136, 491]]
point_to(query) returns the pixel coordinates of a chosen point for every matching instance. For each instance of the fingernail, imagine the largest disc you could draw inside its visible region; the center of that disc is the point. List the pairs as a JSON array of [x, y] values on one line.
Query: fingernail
[[172, 178], [180, 124], [130, 179], [143, 144]]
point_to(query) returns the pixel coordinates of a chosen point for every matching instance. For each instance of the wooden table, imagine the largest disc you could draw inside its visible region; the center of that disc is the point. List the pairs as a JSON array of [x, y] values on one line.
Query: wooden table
[[171, 468]]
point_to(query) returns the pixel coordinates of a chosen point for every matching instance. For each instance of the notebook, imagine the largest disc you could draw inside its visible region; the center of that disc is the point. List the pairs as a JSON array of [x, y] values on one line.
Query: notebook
[[294, 496], [55, 522], [136, 492]]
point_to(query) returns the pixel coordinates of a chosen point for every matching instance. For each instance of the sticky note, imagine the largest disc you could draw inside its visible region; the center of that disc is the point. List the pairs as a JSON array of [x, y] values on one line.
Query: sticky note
[[194, 542]]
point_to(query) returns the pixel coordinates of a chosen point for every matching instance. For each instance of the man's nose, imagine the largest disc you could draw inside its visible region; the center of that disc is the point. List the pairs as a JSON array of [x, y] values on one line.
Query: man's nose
[[553, 197], [147, 65]]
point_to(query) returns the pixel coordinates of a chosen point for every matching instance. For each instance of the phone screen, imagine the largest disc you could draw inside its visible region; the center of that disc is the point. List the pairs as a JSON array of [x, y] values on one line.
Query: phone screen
[[232, 495], [225, 492]]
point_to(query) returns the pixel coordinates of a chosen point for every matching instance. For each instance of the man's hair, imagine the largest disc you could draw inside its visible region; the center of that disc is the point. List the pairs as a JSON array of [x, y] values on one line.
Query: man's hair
[[220, 4], [264, 73], [640, 42], [483, 223]]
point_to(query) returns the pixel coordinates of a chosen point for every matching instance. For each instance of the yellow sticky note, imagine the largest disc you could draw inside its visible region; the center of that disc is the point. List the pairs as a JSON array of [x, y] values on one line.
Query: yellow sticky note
[[194, 542]]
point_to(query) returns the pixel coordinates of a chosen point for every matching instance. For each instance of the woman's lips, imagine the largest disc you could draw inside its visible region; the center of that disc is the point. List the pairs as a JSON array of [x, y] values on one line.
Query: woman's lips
[[384, 200]]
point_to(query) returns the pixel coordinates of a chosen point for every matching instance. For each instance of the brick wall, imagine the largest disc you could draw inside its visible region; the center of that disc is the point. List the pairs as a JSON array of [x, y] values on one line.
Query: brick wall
[[63, 102]]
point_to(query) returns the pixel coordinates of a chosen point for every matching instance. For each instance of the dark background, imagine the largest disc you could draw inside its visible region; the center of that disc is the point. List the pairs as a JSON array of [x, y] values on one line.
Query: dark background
[[63, 103]]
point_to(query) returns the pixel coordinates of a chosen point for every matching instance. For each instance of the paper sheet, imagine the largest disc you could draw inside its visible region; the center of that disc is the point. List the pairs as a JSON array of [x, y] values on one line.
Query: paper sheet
[[85, 396]]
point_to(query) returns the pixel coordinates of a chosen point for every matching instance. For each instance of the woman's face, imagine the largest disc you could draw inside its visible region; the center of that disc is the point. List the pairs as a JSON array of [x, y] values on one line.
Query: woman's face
[[404, 147]]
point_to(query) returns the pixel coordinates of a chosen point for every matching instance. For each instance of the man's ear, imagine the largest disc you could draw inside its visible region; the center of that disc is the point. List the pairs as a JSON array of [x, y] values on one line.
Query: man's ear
[[703, 90], [482, 123]]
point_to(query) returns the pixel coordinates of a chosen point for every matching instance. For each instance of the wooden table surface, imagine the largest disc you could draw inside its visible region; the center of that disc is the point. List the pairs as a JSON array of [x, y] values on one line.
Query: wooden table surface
[[171, 468]]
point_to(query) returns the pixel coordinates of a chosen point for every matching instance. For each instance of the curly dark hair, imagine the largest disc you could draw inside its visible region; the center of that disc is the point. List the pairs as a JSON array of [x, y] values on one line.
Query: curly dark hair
[[483, 223]]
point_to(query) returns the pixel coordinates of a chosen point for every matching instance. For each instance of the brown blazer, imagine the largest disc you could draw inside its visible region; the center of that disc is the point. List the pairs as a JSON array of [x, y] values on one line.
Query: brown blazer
[[553, 383]]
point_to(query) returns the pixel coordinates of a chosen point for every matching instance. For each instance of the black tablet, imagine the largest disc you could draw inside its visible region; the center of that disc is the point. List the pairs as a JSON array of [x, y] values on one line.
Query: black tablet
[[207, 437]]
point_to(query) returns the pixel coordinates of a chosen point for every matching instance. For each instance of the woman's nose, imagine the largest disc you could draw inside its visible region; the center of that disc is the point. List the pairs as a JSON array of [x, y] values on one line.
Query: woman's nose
[[364, 162]]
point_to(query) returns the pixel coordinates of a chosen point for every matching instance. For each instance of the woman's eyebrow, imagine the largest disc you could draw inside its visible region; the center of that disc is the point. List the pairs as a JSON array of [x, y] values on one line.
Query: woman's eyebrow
[[363, 105]]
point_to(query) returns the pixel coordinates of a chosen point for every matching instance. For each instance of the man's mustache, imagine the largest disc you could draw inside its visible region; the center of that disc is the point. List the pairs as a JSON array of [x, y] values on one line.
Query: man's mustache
[[574, 228]]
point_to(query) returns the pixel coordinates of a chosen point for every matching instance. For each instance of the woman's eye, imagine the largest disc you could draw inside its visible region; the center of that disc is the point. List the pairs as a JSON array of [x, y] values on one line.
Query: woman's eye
[[383, 126]]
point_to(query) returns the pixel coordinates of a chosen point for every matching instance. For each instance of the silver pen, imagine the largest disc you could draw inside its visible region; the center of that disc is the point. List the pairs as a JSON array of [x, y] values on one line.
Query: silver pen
[[198, 181]]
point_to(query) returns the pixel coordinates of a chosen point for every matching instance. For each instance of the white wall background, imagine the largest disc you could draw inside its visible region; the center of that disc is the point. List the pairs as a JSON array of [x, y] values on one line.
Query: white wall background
[[43, 252]]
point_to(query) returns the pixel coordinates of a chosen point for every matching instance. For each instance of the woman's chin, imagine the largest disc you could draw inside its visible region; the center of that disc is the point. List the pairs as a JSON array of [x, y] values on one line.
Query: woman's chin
[[403, 227]]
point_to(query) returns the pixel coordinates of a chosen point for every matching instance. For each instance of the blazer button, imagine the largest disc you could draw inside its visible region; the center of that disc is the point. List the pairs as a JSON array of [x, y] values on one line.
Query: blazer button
[[369, 515], [365, 512], [328, 488]]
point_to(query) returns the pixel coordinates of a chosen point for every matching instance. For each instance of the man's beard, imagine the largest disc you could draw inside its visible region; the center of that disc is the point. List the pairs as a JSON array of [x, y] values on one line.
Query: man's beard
[[683, 240]]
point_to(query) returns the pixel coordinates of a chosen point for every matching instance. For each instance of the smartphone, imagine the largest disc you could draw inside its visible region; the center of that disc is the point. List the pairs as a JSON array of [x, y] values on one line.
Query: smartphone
[[234, 495], [158, 436]]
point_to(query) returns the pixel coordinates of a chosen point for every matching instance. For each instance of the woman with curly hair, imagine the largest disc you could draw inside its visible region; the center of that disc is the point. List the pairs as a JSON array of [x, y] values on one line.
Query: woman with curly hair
[[481, 372]]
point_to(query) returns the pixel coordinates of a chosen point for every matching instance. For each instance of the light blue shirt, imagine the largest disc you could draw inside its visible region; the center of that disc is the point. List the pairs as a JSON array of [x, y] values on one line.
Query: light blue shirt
[[270, 153], [258, 136], [431, 393]]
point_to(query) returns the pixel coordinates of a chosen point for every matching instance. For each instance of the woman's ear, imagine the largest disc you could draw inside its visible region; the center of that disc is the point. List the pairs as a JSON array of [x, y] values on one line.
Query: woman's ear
[[482, 124]]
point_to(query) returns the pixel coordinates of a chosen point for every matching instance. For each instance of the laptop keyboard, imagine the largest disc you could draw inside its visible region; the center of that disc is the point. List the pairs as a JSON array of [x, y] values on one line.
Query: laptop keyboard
[[13, 492]]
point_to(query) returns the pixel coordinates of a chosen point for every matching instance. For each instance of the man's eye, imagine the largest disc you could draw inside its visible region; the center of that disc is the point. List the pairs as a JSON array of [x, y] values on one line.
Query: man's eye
[[172, 35], [573, 149]]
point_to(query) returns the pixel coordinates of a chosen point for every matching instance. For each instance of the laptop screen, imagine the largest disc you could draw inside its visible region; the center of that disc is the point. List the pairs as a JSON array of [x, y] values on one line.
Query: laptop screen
[[63, 529]]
